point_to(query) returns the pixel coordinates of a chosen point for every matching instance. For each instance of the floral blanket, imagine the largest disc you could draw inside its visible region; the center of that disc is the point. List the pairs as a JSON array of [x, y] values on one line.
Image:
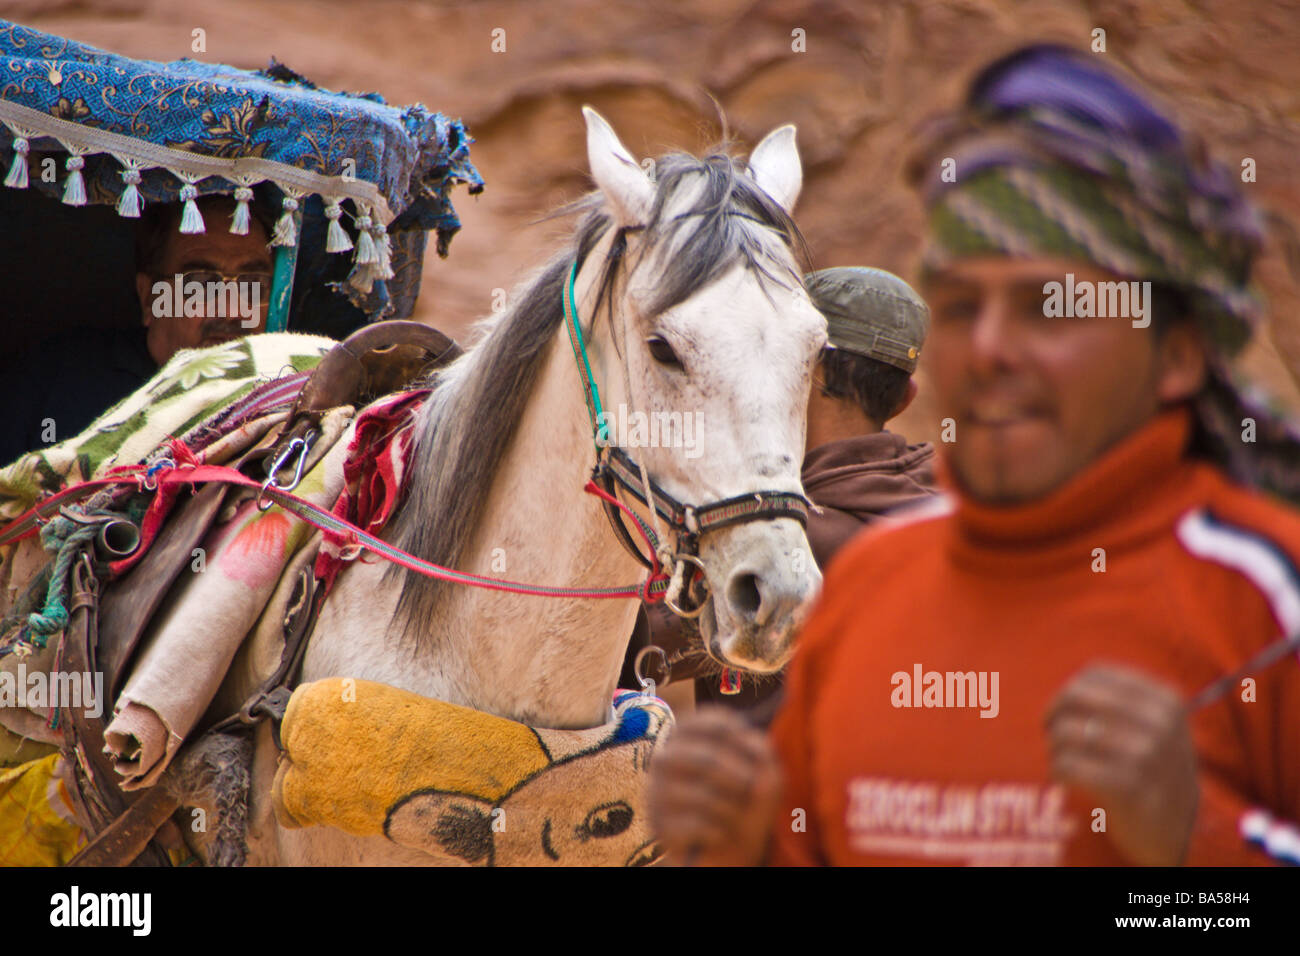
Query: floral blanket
[[190, 388]]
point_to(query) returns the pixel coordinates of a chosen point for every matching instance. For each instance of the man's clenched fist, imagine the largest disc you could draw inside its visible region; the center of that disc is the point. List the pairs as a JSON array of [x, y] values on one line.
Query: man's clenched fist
[[1124, 738], [714, 790]]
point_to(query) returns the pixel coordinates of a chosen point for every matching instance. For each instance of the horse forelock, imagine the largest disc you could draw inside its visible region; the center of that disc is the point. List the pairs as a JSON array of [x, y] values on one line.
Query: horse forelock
[[708, 216]]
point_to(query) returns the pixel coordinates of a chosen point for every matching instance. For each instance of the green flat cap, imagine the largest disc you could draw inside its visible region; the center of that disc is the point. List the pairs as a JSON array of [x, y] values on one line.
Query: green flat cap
[[871, 312]]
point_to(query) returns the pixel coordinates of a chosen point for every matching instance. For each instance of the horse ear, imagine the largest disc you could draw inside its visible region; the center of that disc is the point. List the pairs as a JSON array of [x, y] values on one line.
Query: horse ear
[[626, 187], [775, 166]]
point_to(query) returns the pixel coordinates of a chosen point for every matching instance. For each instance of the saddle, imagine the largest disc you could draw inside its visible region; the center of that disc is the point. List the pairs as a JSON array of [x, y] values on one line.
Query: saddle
[[107, 620]]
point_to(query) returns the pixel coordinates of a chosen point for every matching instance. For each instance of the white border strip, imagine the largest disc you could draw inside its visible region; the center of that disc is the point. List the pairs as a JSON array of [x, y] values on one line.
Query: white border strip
[[1240, 550]]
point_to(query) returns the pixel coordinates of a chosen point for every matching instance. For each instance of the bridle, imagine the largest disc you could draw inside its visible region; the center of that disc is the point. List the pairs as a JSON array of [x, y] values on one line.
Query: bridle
[[615, 469]]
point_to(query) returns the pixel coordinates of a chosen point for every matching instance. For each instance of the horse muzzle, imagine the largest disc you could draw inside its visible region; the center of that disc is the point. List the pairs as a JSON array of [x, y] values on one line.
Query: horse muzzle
[[762, 601]]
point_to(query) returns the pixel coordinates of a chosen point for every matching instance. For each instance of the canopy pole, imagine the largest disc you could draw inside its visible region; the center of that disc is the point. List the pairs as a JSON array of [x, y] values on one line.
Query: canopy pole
[[286, 261]]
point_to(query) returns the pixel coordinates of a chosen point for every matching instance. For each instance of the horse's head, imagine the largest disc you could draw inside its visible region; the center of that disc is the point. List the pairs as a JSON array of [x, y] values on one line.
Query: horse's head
[[705, 361]]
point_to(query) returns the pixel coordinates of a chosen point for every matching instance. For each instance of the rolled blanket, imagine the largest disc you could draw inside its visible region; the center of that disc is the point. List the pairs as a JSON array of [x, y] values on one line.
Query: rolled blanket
[[371, 759], [192, 643]]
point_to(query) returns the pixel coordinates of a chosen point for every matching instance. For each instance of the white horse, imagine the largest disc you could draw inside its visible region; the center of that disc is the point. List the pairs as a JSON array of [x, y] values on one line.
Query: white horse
[[687, 291]]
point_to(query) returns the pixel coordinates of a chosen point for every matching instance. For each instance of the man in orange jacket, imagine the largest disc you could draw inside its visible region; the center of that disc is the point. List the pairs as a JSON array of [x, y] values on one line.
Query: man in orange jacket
[[1021, 675]]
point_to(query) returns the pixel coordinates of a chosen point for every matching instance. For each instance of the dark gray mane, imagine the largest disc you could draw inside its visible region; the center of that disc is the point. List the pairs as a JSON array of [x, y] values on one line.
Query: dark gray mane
[[465, 428]]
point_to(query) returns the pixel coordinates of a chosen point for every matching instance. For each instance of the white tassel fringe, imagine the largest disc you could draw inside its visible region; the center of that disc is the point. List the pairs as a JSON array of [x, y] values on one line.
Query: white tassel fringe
[[129, 203], [367, 254], [239, 223], [17, 178], [385, 246], [74, 190], [336, 240], [285, 233], [191, 218]]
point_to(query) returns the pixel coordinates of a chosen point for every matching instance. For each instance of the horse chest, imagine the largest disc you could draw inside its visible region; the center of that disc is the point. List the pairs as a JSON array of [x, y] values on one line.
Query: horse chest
[[351, 637]]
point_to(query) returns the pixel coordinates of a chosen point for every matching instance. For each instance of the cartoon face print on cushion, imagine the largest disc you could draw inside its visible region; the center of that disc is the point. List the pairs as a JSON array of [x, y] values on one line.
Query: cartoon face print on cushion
[[586, 807]]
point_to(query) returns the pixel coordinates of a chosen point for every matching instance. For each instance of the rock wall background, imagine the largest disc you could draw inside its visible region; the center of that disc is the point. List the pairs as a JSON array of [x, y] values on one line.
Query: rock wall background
[[870, 71]]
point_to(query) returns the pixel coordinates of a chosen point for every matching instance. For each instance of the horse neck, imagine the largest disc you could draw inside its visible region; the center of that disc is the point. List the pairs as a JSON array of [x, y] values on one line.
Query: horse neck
[[552, 662]]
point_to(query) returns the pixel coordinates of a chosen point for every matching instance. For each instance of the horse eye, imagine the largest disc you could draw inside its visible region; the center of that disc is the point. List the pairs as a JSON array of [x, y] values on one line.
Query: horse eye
[[662, 352]]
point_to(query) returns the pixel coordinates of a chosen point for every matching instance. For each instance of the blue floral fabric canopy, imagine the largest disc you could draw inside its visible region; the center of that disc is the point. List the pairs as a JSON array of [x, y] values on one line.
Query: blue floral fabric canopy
[[129, 132]]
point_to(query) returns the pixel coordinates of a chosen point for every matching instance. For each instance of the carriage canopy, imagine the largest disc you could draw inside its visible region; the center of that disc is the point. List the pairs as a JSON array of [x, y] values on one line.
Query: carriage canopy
[[350, 184]]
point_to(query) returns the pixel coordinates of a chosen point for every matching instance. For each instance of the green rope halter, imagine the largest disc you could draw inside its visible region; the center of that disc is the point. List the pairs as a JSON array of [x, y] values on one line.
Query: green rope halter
[[599, 428]]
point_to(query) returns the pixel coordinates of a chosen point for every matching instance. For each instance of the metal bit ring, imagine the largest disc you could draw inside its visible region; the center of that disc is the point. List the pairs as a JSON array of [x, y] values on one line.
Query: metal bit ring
[[669, 603]]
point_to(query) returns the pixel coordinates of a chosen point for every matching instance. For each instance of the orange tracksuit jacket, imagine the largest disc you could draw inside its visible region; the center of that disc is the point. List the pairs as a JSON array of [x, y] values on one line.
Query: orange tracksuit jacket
[[991, 611]]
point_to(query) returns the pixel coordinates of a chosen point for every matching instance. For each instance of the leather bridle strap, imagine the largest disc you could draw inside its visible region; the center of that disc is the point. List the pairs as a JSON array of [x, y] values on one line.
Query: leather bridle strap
[[756, 506], [616, 468]]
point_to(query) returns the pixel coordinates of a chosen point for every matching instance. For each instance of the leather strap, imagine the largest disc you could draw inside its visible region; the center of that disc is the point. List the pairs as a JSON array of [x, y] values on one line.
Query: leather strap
[[127, 837], [127, 607], [103, 800], [606, 480]]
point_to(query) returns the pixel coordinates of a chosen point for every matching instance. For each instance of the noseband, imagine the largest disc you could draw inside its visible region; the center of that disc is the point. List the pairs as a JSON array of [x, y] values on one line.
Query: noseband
[[615, 469]]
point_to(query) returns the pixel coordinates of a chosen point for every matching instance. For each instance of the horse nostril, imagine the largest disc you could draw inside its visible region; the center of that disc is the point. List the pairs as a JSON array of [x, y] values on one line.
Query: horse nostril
[[744, 595]]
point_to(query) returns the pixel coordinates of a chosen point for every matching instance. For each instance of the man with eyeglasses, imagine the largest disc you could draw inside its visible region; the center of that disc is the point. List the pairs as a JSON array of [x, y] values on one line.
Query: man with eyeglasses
[[81, 376], [212, 259]]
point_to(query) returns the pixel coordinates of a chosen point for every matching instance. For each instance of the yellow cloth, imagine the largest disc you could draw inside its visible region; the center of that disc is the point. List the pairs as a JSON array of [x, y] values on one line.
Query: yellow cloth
[[37, 825], [371, 759], [338, 731]]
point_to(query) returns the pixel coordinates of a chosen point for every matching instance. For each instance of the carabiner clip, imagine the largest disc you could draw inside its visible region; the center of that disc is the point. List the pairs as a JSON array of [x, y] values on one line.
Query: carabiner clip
[[301, 447], [647, 683]]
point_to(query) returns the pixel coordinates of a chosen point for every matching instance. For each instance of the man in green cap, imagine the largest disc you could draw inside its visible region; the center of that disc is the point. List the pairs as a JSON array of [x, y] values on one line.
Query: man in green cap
[[854, 470], [1087, 655]]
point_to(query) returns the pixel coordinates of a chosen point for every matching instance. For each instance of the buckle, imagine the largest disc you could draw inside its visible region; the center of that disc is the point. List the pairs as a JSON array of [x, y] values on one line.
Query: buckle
[[265, 704]]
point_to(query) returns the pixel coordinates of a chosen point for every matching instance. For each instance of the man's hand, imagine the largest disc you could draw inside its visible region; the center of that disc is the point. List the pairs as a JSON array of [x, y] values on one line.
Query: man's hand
[[1124, 738], [713, 791]]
